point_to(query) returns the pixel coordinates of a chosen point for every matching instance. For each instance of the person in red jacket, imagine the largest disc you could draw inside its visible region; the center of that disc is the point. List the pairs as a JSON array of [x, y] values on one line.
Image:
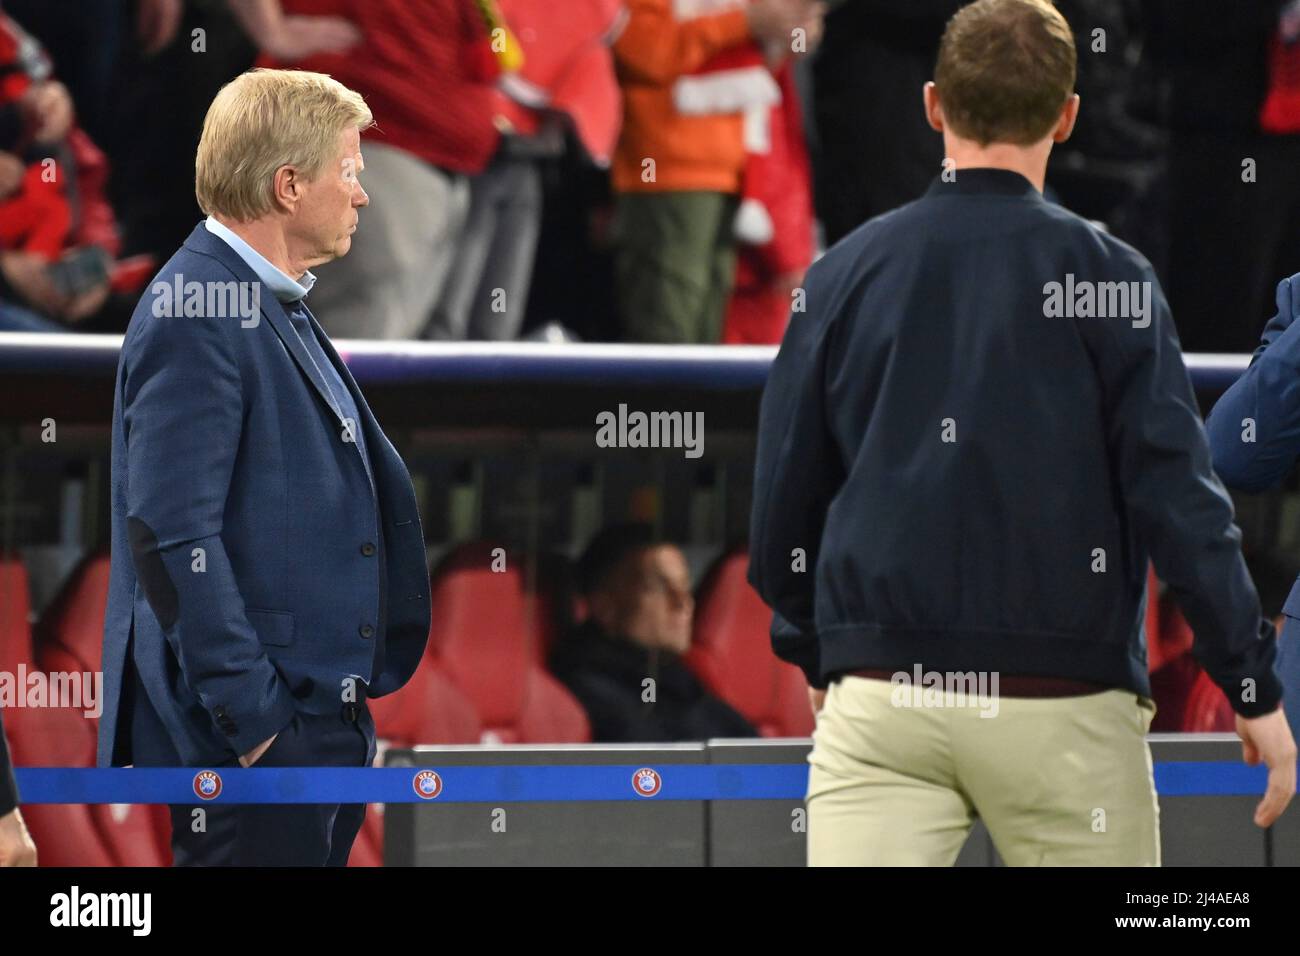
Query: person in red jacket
[[58, 236], [774, 226], [556, 72]]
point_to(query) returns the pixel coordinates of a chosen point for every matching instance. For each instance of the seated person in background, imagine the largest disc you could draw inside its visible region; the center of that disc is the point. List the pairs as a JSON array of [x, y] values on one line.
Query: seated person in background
[[638, 591]]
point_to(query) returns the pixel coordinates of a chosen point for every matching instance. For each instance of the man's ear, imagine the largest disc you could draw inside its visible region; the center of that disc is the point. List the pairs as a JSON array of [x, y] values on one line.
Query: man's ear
[[1069, 116], [287, 186], [933, 108]]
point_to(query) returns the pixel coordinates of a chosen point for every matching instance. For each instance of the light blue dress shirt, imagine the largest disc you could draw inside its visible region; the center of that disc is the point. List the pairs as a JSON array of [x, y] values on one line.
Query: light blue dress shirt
[[283, 286]]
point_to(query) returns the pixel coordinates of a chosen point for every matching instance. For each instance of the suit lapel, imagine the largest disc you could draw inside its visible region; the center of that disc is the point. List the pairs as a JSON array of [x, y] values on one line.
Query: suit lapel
[[279, 320], [202, 241]]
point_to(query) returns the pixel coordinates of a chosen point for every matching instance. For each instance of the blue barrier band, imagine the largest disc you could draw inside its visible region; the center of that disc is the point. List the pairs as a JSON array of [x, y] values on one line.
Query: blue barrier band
[[506, 784]]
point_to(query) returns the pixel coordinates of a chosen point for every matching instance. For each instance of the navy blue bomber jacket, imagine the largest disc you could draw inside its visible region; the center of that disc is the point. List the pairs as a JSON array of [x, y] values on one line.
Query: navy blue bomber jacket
[[972, 441]]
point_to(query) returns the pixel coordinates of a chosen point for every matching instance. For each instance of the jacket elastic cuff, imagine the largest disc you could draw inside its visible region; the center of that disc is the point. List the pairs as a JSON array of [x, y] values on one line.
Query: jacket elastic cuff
[[800, 648], [1268, 697]]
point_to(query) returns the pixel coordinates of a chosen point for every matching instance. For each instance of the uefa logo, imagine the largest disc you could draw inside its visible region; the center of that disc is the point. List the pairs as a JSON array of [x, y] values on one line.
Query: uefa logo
[[646, 782], [207, 785], [427, 784]]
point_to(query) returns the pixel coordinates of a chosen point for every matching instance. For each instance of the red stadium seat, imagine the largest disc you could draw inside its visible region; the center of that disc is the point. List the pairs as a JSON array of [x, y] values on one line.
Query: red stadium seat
[[1151, 624], [136, 834], [731, 653], [75, 834], [482, 640], [1208, 710], [428, 710], [70, 636], [1175, 635], [15, 611], [65, 834], [1187, 701], [72, 629]]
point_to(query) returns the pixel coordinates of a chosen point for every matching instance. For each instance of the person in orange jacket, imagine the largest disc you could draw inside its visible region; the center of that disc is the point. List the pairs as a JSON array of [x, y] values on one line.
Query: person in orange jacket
[[690, 72]]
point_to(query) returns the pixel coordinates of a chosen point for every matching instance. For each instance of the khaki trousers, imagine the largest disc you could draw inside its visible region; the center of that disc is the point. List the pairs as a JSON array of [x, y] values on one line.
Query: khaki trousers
[[1057, 781]]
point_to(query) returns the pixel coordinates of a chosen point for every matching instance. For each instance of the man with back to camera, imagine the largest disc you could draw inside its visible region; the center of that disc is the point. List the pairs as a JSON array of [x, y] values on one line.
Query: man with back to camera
[[268, 569], [976, 472]]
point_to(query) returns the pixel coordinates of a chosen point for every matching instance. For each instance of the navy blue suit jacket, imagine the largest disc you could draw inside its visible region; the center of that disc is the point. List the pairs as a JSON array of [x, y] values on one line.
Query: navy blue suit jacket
[[258, 555]]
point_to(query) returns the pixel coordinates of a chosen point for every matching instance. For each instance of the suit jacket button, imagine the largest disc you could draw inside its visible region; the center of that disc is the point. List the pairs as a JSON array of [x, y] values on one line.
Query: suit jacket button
[[367, 549], [366, 630]]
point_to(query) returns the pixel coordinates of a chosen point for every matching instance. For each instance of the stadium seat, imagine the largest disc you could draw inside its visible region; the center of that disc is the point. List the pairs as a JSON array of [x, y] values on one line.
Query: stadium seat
[[1208, 710], [71, 632], [70, 635], [1175, 635], [481, 638], [1151, 623], [70, 638], [45, 737], [428, 710], [136, 834], [65, 834], [731, 653], [15, 611], [1187, 701]]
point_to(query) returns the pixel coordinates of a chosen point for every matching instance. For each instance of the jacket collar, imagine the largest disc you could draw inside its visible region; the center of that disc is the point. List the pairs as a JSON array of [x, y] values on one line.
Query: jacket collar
[[204, 242], [985, 181]]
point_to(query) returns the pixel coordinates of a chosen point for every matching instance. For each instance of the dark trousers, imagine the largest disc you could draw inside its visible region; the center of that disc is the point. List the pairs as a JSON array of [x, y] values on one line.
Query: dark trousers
[[675, 264], [286, 834]]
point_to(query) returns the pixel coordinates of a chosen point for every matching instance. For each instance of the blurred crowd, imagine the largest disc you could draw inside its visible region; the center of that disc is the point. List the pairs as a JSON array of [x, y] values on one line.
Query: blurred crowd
[[628, 170]]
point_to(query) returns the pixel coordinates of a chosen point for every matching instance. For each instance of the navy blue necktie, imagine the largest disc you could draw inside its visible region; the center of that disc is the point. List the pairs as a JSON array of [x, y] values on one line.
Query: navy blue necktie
[[297, 312]]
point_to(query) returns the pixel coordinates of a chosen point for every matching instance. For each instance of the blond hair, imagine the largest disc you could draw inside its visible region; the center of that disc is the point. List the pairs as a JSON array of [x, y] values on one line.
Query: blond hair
[[265, 119], [1005, 70]]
